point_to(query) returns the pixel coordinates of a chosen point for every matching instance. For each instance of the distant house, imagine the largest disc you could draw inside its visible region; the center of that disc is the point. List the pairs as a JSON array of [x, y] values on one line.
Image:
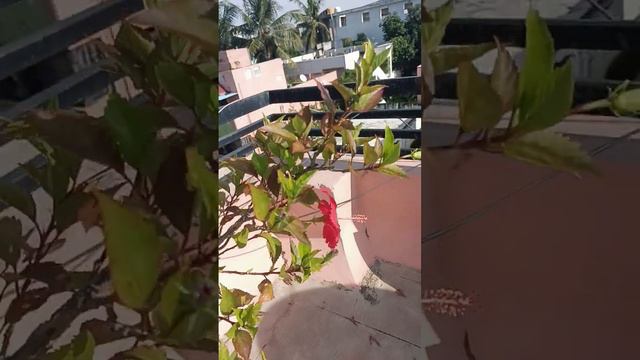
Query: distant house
[[345, 25]]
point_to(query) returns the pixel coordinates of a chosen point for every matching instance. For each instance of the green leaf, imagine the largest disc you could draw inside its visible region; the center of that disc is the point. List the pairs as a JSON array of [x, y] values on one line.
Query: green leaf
[[12, 240], [167, 312], [555, 106], [447, 58], [175, 79], [241, 298], [536, 78], [241, 238], [504, 78], [17, 197], [278, 129], [184, 18], [242, 343], [435, 28], [146, 353], [274, 245], [369, 98], [296, 228], [132, 43], [549, 149], [128, 235], [391, 169], [134, 130], [390, 150], [479, 105], [260, 163], [626, 102], [227, 301], [204, 180], [370, 155], [261, 203], [346, 93]]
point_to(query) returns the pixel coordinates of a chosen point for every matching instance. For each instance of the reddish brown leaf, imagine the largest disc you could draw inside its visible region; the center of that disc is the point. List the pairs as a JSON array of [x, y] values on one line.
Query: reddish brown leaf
[[242, 343], [266, 291], [326, 97]]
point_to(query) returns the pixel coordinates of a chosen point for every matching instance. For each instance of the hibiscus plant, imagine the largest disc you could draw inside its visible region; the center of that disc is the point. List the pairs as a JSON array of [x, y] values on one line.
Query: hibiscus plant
[[141, 181], [258, 192]]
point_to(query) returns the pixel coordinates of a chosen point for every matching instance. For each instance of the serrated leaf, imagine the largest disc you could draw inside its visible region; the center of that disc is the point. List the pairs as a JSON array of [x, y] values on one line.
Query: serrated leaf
[[435, 28], [479, 105], [391, 169], [128, 235], [261, 203], [549, 149], [15, 196], [447, 58], [504, 78], [555, 106]]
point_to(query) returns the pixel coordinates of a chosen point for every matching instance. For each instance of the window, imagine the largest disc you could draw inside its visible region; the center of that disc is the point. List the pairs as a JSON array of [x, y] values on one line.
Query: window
[[384, 12], [365, 17], [343, 20]]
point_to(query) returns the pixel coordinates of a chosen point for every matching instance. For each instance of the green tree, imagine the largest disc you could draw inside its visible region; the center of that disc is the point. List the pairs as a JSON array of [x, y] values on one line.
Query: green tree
[[267, 34], [226, 28], [404, 53], [313, 30], [361, 38], [393, 27]]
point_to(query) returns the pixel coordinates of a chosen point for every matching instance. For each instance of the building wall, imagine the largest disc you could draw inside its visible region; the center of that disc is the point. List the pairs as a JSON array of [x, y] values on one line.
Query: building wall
[[323, 65], [371, 28]]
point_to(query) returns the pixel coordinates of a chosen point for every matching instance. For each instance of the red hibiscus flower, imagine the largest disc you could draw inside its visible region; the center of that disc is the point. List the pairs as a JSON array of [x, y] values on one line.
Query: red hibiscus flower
[[331, 229]]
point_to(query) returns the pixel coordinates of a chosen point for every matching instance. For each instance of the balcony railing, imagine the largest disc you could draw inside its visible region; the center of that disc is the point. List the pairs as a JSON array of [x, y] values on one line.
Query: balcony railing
[[231, 144]]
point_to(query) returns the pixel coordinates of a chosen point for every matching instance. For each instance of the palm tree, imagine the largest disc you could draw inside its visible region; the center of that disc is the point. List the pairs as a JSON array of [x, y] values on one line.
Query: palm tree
[[267, 34], [226, 28], [313, 30]]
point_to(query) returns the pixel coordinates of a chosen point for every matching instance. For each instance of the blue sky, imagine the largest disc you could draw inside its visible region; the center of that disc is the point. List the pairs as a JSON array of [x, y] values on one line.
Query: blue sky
[[343, 4]]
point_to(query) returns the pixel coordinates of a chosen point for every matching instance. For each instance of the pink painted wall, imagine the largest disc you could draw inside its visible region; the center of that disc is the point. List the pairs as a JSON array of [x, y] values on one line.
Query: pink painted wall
[[554, 267], [392, 206]]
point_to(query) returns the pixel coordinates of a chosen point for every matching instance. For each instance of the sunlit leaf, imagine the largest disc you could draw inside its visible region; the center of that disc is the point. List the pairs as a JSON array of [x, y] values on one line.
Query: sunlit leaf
[[266, 291], [391, 169], [479, 105], [435, 28], [241, 238], [390, 150], [128, 235], [549, 149], [274, 245], [146, 353], [261, 203], [278, 129], [369, 98], [346, 93], [626, 102]]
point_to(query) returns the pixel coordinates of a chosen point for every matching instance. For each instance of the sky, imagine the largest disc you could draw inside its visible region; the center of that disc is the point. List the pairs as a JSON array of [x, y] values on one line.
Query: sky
[[343, 4]]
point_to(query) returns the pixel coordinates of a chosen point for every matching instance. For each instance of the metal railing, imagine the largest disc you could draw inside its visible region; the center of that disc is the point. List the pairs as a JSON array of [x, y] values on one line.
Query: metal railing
[[46, 43], [232, 145]]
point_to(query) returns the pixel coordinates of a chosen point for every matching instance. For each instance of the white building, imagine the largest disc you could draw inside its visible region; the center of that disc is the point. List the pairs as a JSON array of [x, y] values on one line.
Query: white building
[[366, 19]]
